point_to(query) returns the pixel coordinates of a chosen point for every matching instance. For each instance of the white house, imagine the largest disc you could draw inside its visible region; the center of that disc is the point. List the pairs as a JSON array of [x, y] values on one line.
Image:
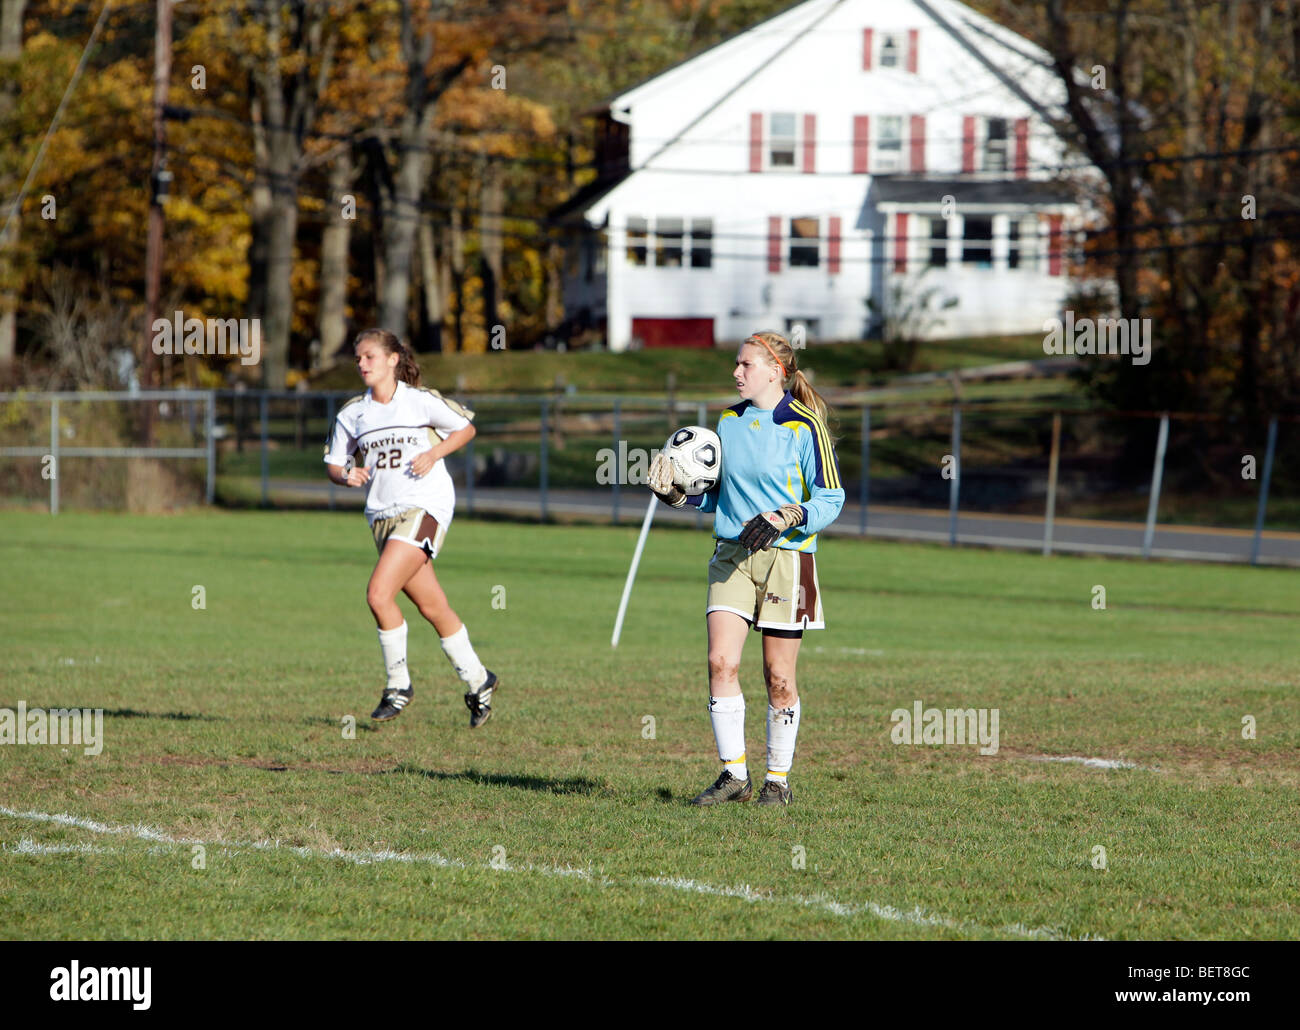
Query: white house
[[827, 165]]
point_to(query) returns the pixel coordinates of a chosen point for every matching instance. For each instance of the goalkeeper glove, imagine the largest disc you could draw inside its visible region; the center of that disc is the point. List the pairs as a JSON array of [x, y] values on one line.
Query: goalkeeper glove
[[660, 480], [761, 531]]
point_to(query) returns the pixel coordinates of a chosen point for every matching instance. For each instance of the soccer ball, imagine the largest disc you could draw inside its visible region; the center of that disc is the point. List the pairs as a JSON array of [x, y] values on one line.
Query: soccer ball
[[696, 456]]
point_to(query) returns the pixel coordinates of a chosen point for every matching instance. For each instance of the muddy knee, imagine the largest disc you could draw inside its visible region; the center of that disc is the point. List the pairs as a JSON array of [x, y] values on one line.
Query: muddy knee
[[780, 688], [722, 669]]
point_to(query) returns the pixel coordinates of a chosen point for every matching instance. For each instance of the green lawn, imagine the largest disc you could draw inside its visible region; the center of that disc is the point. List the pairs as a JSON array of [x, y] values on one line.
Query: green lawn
[[224, 730], [707, 371]]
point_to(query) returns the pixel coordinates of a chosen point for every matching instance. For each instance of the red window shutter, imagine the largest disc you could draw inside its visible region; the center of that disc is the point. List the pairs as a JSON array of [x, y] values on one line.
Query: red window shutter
[[861, 143], [1022, 148], [774, 244], [1054, 244], [810, 143], [900, 242], [866, 50], [918, 143], [756, 142], [913, 36], [833, 246], [968, 143]]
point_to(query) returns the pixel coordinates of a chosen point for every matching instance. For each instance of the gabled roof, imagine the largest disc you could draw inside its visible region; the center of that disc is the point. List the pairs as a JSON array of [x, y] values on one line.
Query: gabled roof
[[608, 102], [788, 14], [584, 198], [975, 36]]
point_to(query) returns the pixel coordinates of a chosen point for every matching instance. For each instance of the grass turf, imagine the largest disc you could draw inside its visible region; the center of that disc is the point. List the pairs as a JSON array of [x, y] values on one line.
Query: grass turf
[[562, 817]]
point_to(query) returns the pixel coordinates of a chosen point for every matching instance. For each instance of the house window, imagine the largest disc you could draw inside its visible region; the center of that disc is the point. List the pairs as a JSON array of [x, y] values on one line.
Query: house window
[[805, 242], [636, 240], [782, 146], [702, 243], [1022, 243], [889, 145], [668, 242], [811, 328], [977, 242], [602, 246], [890, 49], [938, 242], [995, 146]]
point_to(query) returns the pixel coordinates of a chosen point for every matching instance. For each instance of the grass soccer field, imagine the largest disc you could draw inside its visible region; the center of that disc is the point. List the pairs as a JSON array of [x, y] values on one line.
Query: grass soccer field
[[230, 799]]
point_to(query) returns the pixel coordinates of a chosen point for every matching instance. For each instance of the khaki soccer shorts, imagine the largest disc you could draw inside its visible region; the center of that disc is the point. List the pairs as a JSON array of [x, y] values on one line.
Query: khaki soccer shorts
[[772, 589], [414, 526]]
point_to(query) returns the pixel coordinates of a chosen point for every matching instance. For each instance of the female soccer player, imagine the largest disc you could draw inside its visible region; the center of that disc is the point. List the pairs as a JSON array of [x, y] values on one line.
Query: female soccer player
[[780, 487], [398, 433]]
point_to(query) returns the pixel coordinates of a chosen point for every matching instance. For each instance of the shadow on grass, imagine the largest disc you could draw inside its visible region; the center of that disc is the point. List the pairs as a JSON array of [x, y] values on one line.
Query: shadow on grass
[[568, 785], [133, 713], [362, 726]]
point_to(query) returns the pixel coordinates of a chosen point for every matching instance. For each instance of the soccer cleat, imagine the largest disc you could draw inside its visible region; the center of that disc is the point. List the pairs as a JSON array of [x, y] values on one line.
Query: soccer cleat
[[479, 702], [774, 793], [392, 703], [725, 788]]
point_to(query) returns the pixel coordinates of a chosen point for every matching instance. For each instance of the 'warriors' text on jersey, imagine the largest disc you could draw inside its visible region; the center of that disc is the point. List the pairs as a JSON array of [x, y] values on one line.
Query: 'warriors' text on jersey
[[385, 437]]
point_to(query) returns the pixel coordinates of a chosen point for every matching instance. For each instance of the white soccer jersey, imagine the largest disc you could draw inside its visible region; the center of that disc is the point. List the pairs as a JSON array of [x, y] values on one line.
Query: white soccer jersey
[[385, 437]]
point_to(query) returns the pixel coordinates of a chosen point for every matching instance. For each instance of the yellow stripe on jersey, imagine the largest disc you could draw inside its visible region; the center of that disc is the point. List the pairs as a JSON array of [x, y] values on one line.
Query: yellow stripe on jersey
[[728, 414], [329, 433], [822, 439], [796, 427], [463, 410]]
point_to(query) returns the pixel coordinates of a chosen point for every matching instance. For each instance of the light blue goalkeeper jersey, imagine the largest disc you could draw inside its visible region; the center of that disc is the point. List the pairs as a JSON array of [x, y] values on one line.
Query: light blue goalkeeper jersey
[[772, 457]]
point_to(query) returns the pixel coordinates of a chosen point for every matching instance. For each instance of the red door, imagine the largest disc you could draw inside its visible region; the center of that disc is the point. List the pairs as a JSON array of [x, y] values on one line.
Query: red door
[[673, 332]]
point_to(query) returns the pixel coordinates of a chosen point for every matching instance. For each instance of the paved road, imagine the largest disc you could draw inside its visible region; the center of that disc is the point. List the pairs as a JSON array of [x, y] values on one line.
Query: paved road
[[1077, 536]]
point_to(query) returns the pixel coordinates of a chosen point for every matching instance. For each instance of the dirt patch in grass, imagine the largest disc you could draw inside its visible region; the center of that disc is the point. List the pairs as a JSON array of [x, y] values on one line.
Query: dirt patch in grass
[[267, 765]]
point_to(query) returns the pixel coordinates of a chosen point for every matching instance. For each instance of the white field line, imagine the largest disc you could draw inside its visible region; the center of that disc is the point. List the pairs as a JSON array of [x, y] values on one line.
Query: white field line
[[914, 917], [1095, 763], [26, 846]]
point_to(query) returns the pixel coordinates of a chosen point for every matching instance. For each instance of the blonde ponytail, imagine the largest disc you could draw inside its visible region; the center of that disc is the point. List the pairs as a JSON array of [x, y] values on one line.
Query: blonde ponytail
[[779, 352], [802, 391]]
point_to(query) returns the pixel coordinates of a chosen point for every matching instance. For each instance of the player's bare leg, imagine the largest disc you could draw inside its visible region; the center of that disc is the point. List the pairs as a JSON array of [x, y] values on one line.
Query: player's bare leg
[[727, 632], [780, 656], [398, 563], [424, 589]]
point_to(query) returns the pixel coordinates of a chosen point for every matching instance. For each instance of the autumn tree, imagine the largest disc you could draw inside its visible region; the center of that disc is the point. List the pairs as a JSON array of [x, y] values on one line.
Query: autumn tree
[[1191, 113]]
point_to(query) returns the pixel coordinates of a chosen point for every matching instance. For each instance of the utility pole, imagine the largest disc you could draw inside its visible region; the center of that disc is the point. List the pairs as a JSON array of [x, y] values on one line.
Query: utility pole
[[159, 179]]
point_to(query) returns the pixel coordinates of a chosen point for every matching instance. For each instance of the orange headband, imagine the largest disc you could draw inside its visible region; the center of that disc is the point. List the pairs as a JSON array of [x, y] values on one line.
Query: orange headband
[[759, 339]]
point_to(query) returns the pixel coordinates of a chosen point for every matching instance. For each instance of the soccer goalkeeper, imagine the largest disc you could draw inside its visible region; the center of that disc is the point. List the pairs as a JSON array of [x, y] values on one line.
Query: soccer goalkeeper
[[780, 487]]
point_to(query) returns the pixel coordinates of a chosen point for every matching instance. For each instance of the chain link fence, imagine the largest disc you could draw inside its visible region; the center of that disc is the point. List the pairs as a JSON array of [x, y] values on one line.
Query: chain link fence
[[1141, 482]]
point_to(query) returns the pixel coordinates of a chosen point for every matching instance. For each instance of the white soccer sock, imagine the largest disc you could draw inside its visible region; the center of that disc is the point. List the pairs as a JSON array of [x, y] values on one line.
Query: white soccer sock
[[782, 730], [728, 717], [392, 642], [461, 654]]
